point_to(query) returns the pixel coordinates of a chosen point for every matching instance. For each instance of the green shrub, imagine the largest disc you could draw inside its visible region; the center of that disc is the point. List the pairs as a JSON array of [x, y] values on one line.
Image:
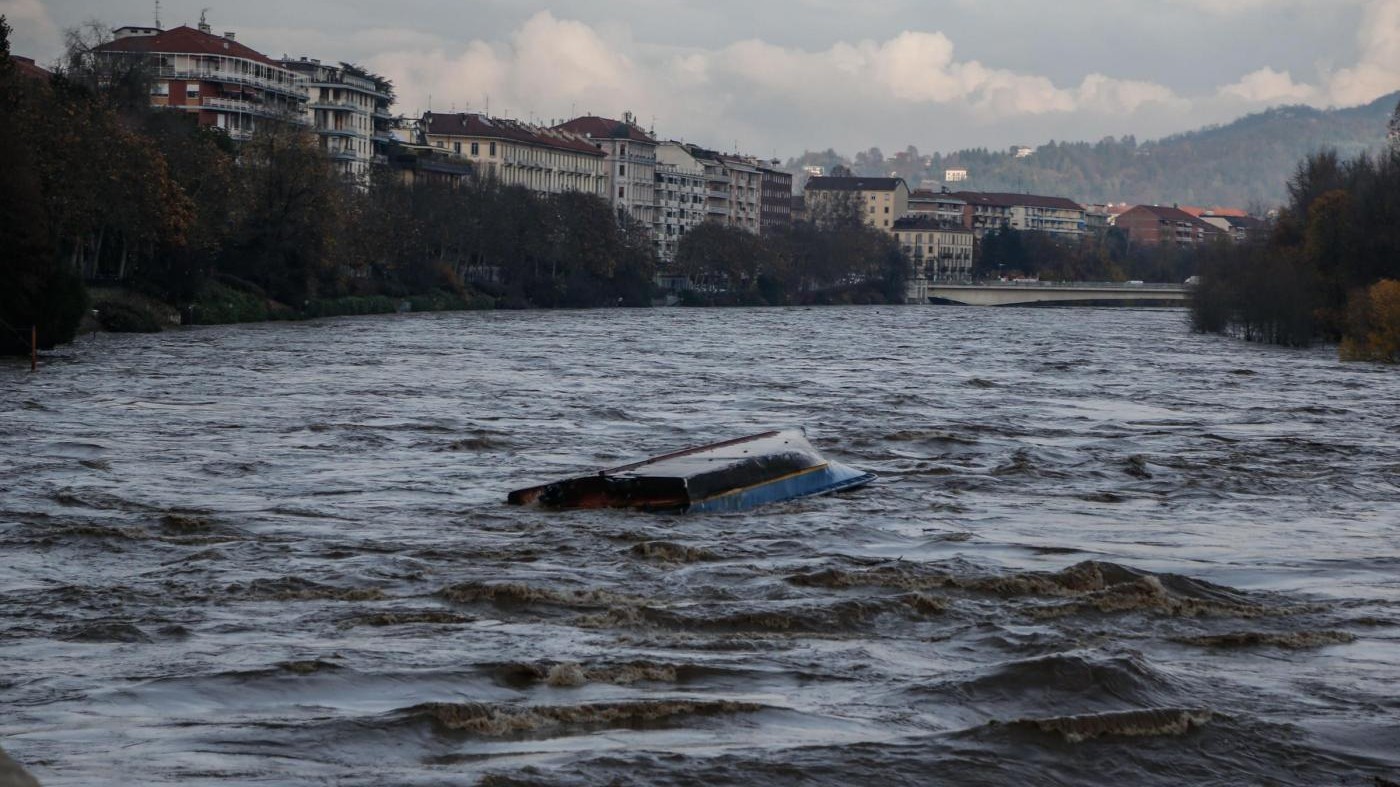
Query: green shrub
[[219, 304], [120, 316]]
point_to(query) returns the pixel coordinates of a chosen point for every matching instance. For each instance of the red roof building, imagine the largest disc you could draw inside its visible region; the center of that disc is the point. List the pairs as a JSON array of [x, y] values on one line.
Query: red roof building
[[1157, 224], [27, 68], [225, 83], [631, 163], [544, 160]]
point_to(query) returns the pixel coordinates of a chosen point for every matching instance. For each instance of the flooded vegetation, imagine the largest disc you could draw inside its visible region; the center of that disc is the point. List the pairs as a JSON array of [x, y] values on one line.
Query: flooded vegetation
[[1101, 547]]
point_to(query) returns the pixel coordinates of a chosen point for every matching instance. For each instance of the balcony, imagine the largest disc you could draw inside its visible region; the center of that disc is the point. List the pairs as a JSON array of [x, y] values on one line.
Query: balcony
[[291, 89], [246, 107], [337, 106]]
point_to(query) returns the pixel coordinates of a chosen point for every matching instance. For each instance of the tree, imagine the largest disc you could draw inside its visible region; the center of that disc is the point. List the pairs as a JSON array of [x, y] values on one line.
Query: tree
[[37, 292]]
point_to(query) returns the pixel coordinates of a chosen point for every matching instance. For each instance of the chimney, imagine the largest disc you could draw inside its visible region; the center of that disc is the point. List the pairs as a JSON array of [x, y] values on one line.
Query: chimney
[[205, 28], [230, 36]]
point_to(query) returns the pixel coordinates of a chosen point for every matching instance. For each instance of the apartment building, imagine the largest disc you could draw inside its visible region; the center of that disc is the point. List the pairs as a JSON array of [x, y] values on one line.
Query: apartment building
[[879, 201], [1159, 224], [631, 163], [745, 189], [943, 206], [936, 249], [544, 160], [1029, 212], [222, 82], [775, 199], [348, 109], [681, 198]]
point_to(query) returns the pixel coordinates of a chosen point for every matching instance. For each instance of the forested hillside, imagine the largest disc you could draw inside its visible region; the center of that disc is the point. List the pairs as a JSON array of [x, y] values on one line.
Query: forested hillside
[[1246, 163]]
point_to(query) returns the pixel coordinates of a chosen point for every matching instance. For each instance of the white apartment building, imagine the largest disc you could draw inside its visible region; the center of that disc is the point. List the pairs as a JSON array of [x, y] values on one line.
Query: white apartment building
[[631, 163], [349, 111], [681, 198], [745, 191]]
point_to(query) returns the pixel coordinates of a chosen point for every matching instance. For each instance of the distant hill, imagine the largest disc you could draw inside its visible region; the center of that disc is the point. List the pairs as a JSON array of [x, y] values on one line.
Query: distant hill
[[1246, 163]]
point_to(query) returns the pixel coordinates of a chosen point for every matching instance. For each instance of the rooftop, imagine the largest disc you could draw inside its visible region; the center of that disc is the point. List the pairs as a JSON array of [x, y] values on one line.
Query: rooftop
[[605, 128], [1008, 200], [854, 184], [468, 124], [28, 68], [186, 40]]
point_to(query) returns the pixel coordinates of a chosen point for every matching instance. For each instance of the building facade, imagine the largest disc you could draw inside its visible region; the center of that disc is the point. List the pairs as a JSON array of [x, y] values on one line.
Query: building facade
[[936, 250], [717, 182], [222, 82], [349, 111], [879, 201], [745, 189], [543, 160], [631, 163], [944, 207], [1159, 224], [680, 198], [1026, 212], [775, 199]]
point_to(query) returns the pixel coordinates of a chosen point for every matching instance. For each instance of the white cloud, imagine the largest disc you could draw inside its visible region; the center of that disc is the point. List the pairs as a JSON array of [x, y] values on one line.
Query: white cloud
[[1267, 86], [1378, 71], [35, 34]]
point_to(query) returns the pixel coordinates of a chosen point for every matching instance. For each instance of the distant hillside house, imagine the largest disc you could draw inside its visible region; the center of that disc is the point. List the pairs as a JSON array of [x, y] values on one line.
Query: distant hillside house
[[1021, 151], [880, 201], [1158, 224], [1027, 212], [546, 161], [954, 175], [224, 83], [631, 163]]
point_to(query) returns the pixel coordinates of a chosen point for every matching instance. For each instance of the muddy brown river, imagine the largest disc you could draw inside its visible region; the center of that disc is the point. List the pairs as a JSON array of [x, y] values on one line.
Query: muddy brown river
[[1102, 550]]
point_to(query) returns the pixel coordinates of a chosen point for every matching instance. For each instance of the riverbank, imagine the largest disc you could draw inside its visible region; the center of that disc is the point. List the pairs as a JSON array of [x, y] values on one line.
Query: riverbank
[[125, 310]]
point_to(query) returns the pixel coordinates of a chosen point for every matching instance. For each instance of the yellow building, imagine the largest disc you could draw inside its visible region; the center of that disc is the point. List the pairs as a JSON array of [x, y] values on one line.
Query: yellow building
[[879, 201], [544, 160], [936, 251]]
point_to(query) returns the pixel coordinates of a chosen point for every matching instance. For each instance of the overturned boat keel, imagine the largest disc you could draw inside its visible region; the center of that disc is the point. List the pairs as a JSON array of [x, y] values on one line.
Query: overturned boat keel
[[729, 476]]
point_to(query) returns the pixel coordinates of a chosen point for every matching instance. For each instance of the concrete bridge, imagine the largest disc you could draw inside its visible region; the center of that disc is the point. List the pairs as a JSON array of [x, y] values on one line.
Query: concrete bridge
[[1013, 293]]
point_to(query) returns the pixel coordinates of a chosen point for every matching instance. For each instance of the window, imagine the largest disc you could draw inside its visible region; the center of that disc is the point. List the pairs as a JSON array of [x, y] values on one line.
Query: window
[[160, 89], [887, 208], [192, 89], [621, 192], [493, 149], [457, 148], [621, 169], [476, 149], [623, 149]]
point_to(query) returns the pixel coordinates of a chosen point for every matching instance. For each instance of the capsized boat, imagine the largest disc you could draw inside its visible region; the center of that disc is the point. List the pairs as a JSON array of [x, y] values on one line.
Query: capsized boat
[[729, 476]]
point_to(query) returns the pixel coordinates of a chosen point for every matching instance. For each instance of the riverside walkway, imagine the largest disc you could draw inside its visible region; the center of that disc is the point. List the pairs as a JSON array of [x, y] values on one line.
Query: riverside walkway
[[1014, 293]]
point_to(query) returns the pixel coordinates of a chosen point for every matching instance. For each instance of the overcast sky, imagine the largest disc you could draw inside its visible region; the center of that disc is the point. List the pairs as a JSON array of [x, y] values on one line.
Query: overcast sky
[[775, 77]]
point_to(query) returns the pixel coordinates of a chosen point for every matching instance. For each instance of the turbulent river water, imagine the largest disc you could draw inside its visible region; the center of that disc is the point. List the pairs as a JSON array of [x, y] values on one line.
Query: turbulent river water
[[1102, 550]]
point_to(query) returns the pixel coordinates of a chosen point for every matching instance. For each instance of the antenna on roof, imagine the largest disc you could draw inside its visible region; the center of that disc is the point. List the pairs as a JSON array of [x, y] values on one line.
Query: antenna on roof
[[157, 13]]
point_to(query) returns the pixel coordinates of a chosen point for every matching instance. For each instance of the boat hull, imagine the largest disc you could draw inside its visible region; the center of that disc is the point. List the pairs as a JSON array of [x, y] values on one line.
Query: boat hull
[[733, 475]]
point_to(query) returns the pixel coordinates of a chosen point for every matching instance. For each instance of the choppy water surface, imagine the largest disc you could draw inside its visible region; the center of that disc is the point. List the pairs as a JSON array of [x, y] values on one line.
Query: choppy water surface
[[1103, 550]]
